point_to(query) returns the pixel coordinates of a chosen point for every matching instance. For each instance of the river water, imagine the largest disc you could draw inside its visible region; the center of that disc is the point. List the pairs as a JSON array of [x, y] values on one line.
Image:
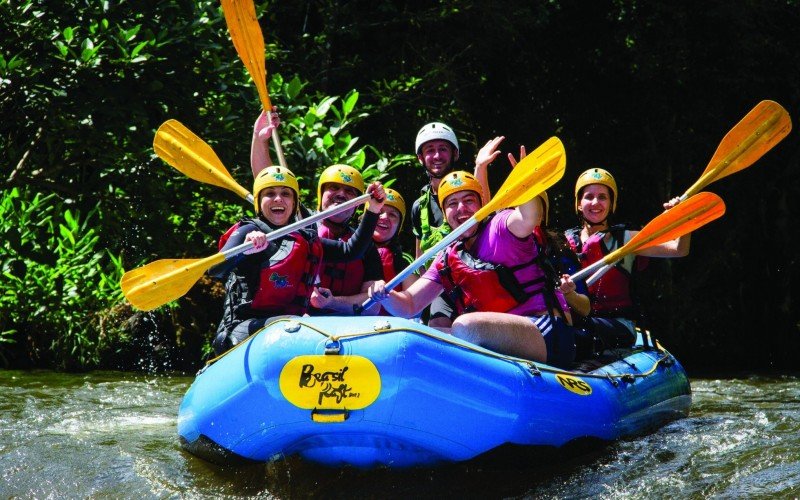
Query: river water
[[113, 435]]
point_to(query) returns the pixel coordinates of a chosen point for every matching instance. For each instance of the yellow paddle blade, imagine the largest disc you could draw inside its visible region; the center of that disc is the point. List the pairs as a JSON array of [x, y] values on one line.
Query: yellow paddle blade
[[758, 132], [163, 281], [549, 147], [240, 16], [182, 149], [680, 220], [533, 175]]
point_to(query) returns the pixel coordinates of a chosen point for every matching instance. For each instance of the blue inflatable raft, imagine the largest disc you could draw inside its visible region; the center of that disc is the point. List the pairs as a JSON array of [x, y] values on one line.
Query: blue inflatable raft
[[378, 391]]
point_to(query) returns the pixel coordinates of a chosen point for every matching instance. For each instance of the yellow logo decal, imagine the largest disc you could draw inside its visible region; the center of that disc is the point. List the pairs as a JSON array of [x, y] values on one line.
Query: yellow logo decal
[[330, 382], [574, 384]]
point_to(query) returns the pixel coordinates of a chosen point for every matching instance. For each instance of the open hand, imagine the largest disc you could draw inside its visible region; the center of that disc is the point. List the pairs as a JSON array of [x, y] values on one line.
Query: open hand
[[489, 152], [522, 154]]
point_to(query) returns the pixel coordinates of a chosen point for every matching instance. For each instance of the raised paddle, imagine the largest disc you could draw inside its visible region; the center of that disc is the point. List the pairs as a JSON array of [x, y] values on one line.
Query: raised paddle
[[163, 281], [240, 16], [682, 219], [755, 134], [535, 173], [181, 148], [761, 129]]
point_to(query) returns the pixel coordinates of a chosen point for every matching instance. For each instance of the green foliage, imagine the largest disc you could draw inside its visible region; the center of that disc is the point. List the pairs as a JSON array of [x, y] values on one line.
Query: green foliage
[[317, 131], [56, 282]]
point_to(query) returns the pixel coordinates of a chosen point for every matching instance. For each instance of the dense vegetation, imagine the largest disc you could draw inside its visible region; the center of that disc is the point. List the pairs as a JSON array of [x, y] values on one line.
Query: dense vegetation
[[645, 89]]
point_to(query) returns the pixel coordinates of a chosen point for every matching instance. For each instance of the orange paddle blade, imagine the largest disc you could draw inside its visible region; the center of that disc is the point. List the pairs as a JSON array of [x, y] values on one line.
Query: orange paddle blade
[[682, 219], [758, 132]]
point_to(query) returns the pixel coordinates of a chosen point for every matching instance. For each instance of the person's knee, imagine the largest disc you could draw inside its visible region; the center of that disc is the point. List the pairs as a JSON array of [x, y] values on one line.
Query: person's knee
[[464, 327]]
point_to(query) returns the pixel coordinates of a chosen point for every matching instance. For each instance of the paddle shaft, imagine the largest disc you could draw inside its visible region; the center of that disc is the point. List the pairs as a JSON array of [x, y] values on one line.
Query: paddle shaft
[[163, 281], [277, 142], [421, 260], [591, 280], [273, 235]]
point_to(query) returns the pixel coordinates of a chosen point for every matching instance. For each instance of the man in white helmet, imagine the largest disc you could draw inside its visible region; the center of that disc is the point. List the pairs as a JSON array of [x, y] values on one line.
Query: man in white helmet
[[437, 149]]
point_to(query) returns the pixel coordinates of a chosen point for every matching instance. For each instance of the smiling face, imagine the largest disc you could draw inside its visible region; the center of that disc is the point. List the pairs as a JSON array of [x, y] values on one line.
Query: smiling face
[[277, 204], [334, 193], [437, 157], [595, 203], [388, 224], [459, 207]]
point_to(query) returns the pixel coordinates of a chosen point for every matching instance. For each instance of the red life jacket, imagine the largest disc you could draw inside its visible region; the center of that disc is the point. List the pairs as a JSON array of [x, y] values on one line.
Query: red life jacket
[[611, 294], [286, 278], [390, 261], [341, 278], [387, 260], [475, 285]]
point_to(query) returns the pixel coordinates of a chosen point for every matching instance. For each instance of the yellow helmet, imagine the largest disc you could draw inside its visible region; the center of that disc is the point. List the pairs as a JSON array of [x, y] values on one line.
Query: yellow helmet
[[455, 182], [596, 176], [340, 174], [394, 199], [275, 176]]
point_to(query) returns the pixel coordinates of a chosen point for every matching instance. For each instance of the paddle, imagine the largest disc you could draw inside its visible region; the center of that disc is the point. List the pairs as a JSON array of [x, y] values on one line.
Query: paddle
[[240, 16], [181, 148], [682, 219], [534, 174], [755, 134], [163, 281], [761, 129]]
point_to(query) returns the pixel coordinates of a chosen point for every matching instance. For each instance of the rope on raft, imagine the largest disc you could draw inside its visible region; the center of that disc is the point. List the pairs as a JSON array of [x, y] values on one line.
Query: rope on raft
[[533, 367]]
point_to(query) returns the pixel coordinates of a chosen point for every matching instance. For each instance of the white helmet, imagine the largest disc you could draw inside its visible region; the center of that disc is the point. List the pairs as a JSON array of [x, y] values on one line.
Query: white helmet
[[434, 131]]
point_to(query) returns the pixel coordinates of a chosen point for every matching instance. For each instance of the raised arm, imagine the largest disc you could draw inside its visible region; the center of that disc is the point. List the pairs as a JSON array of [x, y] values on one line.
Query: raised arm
[[525, 218], [259, 144], [486, 155]]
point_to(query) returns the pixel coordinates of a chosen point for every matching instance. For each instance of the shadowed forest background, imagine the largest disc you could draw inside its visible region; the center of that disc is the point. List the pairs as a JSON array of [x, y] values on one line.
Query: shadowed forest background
[[646, 90]]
